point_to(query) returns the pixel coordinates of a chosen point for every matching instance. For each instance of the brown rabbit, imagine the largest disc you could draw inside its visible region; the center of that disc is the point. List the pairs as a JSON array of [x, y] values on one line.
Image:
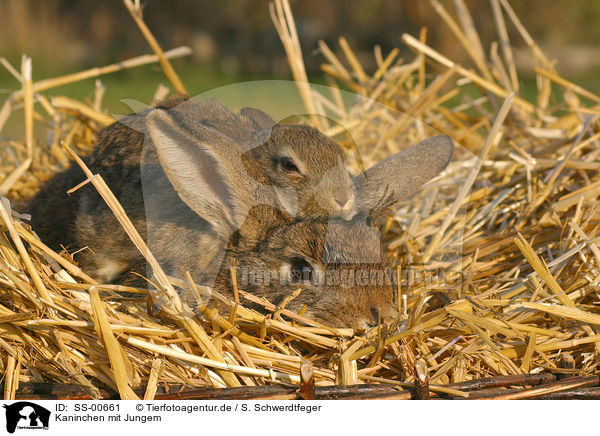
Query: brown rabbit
[[202, 195], [304, 167], [339, 265], [284, 162]]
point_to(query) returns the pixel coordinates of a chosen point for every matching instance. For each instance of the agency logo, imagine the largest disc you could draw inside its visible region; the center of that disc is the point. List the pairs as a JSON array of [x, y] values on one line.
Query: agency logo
[[26, 415]]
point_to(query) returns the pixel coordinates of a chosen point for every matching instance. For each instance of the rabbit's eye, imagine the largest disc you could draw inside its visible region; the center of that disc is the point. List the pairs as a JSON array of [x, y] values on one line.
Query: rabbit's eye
[[289, 166], [301, 271]]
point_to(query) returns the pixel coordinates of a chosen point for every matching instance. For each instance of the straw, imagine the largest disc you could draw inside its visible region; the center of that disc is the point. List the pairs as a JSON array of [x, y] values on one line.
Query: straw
[[281, 15], [135, 11], [115, 353], [497, 258]]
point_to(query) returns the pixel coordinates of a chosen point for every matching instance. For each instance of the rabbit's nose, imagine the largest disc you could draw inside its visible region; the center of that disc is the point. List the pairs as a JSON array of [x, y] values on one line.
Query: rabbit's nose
[[363, 324], [375, 316], [366, 322]]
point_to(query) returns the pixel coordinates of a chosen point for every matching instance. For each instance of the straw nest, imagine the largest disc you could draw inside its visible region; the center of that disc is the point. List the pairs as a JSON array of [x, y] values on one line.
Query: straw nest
[[498, 257]]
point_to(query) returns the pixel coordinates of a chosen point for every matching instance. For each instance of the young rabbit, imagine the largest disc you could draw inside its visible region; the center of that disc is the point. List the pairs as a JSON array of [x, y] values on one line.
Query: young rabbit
[[201, 194], [305, 168], [339, 265]]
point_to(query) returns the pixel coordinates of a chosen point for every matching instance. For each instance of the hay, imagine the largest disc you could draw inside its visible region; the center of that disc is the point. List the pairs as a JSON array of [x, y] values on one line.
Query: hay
[[518, 301]]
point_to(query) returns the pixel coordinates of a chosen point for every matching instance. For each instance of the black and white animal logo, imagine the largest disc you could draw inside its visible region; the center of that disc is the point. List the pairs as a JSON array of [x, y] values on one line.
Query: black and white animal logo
[[26, 415]]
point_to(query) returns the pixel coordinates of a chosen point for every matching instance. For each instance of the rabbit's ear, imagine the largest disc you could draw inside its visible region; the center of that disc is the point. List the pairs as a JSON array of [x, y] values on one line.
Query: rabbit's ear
[[402, 174], [204, 167], [260, 119]]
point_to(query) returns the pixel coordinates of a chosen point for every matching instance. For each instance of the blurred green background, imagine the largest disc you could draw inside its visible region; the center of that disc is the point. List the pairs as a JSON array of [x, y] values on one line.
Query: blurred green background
[[234, 40]]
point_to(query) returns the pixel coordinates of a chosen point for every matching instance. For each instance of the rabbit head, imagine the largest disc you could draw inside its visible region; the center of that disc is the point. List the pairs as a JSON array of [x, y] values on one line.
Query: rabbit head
[[300, 159], [304, 169], [339, 265]]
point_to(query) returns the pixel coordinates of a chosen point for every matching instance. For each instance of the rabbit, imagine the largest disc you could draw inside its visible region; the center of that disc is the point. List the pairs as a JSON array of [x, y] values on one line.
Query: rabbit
[[305, 168], [339, 265], [201, 198], [286, 161]]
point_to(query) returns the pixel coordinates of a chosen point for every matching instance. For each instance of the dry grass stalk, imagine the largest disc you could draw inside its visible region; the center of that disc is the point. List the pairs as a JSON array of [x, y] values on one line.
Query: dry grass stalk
[[84, 110], [307, 380], [39, 284], [473, 50], [490, 86], [136, 13], [27, 89], [281, 15], [153, 379], [113, 348], [504, 44], [492, 141], [46, 84]]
